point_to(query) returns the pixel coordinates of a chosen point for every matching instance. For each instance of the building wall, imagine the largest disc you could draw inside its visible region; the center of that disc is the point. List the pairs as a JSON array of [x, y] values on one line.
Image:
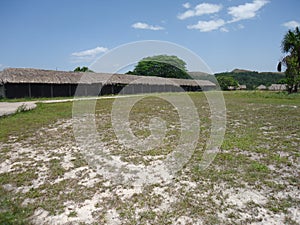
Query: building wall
[[24, 90], [17, 90], [40, 90]]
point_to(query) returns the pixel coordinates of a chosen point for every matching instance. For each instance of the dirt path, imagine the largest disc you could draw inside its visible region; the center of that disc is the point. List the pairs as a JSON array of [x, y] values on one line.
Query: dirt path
[[7, 108]]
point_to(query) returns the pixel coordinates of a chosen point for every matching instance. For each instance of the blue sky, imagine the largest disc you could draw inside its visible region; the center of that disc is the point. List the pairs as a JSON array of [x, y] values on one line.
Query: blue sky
[[64, 34]]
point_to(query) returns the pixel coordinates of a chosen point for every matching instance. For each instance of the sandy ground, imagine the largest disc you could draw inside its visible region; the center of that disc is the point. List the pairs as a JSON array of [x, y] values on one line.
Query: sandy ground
[[48, 172], [107, 203]]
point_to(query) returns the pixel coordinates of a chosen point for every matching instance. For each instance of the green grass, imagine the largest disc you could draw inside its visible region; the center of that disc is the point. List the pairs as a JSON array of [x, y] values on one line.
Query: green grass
[[11, 213], [56, 169], [280, 205], [18, 179], [72, 214], [25, 123], [258, 167], [260, 152], [264, 95]]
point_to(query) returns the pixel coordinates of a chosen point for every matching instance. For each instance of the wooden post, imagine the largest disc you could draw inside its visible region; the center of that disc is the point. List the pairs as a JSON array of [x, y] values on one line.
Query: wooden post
[[85, 90], [29, 90], [51, 90], [70, 90], [112, 89]]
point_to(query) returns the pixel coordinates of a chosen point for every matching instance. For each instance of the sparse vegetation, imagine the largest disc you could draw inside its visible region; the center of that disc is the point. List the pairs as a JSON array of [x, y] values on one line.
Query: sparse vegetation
[[254, 178]]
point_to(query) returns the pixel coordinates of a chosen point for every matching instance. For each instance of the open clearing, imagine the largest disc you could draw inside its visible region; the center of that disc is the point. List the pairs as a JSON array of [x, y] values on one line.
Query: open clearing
[[254, 179]]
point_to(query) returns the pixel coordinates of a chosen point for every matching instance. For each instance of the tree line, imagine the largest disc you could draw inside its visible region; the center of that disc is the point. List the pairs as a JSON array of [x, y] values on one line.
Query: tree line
[[251, 79]]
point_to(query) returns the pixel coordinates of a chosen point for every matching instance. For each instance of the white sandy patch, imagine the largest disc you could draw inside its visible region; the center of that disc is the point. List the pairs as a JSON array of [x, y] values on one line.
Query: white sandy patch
[[112, 217], [167, 199], [270, 219], [240, 197], [126, 193], [27, 201], [67, 161], [83, 212], [6, 166], [187, 220], [293, 193], [295, 214], [90, 179]]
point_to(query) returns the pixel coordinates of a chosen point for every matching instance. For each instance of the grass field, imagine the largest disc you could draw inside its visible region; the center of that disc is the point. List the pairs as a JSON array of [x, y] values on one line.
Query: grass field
[[255, 178]]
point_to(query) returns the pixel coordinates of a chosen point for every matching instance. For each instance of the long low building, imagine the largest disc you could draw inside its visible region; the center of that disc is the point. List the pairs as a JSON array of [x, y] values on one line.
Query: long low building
[[22, 83]]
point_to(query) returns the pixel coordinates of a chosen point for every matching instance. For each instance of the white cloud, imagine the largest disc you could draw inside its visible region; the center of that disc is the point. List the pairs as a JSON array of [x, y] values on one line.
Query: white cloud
[[206, 26], [224, 29], [240, 12], [200, 9], [186, 14], [186, 5], [87, 55], [146, 26], [206, 8], [90, 52], [291, 24], [241, 26], [246, 11]]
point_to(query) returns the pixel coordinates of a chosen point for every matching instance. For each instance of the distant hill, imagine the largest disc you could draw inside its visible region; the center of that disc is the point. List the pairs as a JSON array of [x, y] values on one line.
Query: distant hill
[[253, 79], [240, 71]]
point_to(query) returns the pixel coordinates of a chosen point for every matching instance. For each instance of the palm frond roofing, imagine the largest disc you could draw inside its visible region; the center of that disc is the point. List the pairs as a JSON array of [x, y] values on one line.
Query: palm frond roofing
[[27, 75]]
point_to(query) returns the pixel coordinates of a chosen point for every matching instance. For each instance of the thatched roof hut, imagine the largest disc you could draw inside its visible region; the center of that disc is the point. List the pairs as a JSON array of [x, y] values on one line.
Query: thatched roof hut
[[25, 75], [262, 87], [242, 87], [277, 87], [20, 78], [18, 75]]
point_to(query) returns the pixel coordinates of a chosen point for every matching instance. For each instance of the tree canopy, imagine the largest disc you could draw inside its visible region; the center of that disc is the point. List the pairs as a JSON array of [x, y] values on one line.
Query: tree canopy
[[82, 69], [161, 66], [291, 46], [226, 82]]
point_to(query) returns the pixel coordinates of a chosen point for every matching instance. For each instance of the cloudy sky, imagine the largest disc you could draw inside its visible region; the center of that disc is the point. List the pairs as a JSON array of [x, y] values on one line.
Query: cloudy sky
[[64, 34]]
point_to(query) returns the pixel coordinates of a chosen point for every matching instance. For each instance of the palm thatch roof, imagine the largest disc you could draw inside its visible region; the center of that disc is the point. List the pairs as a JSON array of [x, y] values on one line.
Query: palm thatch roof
[[27, 75], [261, 87], [277, 87]]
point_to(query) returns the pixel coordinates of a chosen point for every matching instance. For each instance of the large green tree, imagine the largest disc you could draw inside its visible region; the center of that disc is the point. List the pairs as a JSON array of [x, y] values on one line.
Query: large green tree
[[161, 66], [227, 82], [291, 46]]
